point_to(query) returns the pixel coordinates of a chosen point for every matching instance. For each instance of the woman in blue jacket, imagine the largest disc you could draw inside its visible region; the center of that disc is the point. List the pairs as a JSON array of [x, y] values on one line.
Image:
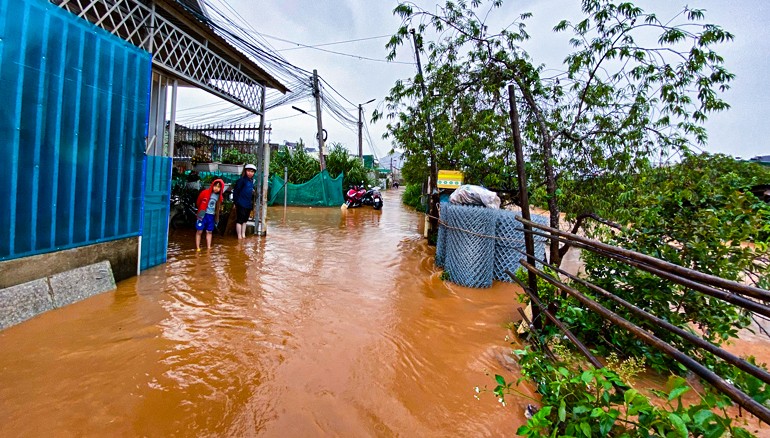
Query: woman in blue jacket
[[243, 197]]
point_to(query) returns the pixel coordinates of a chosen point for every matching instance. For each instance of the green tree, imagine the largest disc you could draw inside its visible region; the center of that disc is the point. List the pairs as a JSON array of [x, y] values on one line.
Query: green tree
[[302, 167], [635, 91], [617, 103], [339, 162], [698, 214]]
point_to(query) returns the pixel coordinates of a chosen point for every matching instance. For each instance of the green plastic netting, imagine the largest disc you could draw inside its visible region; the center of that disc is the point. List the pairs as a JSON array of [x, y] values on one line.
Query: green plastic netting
[[321, 191]]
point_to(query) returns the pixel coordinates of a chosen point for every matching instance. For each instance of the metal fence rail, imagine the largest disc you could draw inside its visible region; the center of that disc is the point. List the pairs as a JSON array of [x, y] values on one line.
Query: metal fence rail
[[210, 141], [748, 297]]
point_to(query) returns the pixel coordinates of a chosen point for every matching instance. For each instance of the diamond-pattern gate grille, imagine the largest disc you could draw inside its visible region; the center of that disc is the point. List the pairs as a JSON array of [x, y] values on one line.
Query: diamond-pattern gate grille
[[172, 48], [470, 244]]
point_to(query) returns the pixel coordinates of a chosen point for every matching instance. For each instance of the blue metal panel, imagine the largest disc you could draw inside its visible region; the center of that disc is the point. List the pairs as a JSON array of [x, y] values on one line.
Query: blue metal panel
[[73, 116], [156, 209]]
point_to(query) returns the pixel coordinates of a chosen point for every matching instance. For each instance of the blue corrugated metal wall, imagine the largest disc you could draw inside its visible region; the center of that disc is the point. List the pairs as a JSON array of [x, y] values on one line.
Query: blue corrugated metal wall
[[156, 206], [73, 119]]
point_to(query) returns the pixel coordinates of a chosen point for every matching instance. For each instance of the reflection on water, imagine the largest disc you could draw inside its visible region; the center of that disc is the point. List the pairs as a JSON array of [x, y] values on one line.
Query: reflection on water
[[335, 324]]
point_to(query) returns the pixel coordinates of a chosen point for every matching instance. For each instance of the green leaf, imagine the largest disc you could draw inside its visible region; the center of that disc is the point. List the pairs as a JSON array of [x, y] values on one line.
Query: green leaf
[[629, 395], [586, 429], [562, 411], [580, 410], [500, 380], [739, 432], [605, 426], [677, 392], [679, 426], [702, 416]]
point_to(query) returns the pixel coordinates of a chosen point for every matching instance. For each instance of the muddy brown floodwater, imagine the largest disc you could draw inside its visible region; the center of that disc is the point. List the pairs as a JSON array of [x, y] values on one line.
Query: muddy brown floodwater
[[336, 324]]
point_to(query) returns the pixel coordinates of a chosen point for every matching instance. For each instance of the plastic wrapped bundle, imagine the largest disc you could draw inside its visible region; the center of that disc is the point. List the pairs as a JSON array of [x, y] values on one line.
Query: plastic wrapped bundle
[[470, 245]]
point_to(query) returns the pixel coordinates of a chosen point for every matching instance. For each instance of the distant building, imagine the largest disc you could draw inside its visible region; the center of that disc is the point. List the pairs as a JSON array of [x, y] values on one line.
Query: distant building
[[761, 159], [291, 145], [392, 161]]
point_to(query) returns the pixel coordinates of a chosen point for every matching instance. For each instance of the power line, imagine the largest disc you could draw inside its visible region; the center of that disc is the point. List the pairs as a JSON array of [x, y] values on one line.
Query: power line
[[316, 47], [307, 46], [362, 57], [296, 79]]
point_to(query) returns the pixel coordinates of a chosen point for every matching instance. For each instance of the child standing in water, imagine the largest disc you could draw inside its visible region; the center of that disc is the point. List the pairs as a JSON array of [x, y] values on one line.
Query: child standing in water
[[243, 195], [209, 203]]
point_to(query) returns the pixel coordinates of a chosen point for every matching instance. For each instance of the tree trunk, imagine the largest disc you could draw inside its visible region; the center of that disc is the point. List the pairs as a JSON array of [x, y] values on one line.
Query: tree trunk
[[553, 207]]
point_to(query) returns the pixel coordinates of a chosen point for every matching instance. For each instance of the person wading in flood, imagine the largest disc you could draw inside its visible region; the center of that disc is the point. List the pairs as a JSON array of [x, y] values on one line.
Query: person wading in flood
[[209, 204], [243, 195]]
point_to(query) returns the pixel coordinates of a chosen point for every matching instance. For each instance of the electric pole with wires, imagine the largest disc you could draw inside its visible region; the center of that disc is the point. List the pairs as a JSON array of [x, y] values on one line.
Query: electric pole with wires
[[317, 95]]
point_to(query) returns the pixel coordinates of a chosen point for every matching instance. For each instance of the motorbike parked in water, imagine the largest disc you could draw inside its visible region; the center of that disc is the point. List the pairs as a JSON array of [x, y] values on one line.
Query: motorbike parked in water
[[358, 196], [183, 211]]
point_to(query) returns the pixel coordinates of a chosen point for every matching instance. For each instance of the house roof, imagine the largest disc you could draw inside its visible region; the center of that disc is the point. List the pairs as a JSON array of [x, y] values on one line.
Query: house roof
[[188, 15]]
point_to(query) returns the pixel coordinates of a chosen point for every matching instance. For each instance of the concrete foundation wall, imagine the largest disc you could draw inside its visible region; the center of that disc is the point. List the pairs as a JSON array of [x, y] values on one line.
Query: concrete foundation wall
[[23, 301], [123, 256]]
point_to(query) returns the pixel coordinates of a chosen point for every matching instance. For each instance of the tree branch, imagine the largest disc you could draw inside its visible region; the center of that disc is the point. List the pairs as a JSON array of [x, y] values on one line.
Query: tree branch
[[579, 222]]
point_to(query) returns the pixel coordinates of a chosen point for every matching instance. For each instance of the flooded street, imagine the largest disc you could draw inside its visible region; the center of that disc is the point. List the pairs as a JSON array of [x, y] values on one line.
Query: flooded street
[[336, 324]]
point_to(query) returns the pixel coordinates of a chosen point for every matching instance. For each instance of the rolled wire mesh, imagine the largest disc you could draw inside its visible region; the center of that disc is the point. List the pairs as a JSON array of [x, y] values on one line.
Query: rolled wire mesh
[[509, 234], [470, 245], [441, 242]]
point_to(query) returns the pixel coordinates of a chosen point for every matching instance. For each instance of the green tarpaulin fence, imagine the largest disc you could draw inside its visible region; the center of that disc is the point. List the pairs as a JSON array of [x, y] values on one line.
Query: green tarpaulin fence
[[321, 191]]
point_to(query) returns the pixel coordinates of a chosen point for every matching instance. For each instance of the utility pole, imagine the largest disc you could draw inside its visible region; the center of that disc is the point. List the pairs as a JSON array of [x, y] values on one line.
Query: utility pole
[[432, 183], [317, 95], [361, 129], [360, 133]]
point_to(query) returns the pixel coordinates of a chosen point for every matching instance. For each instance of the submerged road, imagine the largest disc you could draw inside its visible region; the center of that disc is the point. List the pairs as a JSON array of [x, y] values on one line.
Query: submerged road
[[336, 324]]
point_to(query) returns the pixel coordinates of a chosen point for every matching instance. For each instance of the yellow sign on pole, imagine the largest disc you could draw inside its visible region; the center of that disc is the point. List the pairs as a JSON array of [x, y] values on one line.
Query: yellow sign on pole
[[449, 179]]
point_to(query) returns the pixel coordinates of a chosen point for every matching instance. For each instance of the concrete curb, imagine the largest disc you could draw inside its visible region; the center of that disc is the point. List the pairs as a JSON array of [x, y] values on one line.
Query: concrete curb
[[24, 301]]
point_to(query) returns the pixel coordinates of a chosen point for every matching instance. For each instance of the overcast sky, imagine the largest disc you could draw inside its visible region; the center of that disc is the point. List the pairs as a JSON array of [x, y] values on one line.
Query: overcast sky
[[741, 131]]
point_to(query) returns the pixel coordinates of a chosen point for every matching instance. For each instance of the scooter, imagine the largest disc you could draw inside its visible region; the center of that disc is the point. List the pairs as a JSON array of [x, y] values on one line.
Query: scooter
[[358, 196], [354, 196], [373, 197], [183, 211]]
